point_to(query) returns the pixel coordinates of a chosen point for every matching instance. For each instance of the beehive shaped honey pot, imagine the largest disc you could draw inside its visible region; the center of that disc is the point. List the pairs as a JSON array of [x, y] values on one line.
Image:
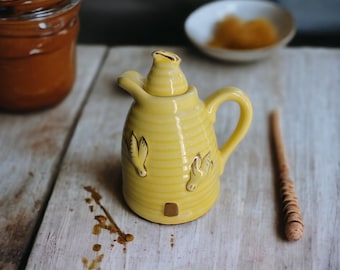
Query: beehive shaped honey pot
[[171, 163]]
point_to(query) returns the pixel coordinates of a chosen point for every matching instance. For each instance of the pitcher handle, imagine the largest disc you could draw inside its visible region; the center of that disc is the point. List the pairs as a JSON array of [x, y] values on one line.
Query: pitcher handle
[[212, 104]]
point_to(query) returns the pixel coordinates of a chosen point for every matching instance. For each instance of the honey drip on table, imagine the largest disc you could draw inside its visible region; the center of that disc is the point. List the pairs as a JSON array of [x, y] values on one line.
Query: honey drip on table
[[105, 222], [123, 238]]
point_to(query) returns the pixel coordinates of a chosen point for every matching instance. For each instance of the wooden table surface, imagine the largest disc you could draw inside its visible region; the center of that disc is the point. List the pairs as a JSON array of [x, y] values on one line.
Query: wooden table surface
[[52, 164]]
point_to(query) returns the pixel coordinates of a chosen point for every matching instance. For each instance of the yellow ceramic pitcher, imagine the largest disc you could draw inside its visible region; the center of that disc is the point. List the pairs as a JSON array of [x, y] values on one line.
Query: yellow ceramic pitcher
[[170, 158]]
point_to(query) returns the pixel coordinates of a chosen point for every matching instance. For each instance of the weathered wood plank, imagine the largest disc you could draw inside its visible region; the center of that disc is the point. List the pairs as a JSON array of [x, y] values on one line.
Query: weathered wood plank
[[242, 231], [31, 147]]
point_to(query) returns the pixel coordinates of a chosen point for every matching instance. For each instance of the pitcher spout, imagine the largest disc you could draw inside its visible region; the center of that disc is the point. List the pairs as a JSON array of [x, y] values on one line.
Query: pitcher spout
[[133, 83]]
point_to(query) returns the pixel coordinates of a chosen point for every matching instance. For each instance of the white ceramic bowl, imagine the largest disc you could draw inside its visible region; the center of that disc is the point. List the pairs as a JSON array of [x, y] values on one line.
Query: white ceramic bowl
[[199, 26]]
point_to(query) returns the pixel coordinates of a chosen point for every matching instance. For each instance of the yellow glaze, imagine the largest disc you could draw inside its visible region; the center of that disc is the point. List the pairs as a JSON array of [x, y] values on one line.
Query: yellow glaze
[[170, 159]]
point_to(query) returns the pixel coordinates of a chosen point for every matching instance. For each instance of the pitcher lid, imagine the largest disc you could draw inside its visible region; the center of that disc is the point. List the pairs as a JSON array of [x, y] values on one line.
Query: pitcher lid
[[166, 77]]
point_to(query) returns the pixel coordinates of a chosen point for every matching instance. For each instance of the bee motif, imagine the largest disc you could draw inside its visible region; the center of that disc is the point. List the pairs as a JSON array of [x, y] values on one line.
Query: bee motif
[[200, 168], [138, 152]]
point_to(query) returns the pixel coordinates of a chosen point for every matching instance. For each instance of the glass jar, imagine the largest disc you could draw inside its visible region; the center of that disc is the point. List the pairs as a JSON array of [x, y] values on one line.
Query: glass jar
[[37, 57]]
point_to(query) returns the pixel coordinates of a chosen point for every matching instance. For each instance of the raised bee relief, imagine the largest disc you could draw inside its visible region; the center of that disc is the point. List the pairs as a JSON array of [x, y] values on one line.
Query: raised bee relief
[[138, 152], [200, 168]]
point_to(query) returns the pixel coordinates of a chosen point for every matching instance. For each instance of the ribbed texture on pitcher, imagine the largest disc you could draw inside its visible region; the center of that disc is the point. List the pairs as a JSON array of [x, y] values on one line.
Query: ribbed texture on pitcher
[[170, 163]]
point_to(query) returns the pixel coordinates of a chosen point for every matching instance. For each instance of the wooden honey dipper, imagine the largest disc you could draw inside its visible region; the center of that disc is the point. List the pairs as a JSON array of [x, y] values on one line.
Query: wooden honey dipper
[[292, 215]]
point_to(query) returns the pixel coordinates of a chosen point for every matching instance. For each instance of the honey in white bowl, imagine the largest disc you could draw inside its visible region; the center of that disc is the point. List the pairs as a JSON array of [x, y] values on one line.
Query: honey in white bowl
[[234, 33]]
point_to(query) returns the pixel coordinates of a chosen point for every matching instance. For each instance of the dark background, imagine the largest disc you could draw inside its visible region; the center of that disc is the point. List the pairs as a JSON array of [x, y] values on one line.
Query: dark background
[[158, 22]]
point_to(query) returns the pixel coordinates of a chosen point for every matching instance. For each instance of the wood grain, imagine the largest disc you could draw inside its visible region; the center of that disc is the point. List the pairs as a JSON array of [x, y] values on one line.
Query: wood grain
[[242, 230], [31, 148]]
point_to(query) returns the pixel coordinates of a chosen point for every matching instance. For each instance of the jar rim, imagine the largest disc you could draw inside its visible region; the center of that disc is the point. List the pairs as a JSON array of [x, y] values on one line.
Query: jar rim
[[36, 15]]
